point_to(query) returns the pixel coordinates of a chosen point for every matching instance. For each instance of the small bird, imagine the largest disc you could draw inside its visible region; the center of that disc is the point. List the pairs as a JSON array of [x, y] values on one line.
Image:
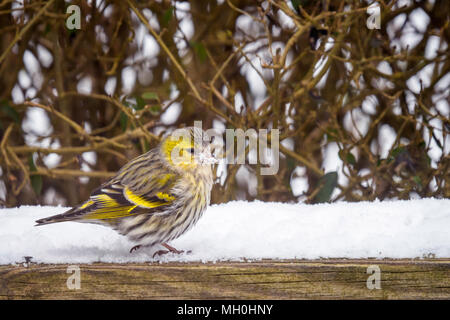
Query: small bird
[[157, 196]]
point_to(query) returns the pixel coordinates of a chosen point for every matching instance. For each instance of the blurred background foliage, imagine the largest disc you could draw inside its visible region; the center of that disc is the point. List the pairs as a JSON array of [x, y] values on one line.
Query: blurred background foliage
[[362, 113]]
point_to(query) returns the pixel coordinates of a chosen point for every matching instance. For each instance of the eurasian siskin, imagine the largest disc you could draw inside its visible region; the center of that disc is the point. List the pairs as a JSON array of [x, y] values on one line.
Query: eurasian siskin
[[156, 197]]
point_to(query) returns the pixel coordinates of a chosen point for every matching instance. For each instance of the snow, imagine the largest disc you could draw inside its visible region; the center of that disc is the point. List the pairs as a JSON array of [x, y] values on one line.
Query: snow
[[245, 230]]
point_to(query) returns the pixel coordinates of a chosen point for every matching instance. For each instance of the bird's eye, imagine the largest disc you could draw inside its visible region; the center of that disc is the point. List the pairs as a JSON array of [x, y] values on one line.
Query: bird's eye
[[191, 150]]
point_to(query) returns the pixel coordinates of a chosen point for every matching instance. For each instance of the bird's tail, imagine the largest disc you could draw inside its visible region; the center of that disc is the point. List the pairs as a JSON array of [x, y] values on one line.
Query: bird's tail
[[66, 216]]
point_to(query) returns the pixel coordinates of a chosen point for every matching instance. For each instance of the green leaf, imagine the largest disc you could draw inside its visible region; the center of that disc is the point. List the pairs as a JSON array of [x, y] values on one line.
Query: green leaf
[[130, 104], [332, 135], [72, 32], [140, 103], [347, 157], [31, 163], [9, 111], [200, 50], [351, 158], [36, 183], [428, 160], [146, 146], [167, 16], [155, 110], [48, 28], [150, 96], [301, 3], [395, 153], [36, 179], [295, 4], [328, 182], [291, 164], [123, 121], [418, 181]]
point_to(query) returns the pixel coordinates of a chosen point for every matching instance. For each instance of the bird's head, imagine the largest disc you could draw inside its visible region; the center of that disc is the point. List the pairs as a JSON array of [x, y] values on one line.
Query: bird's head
[[187, 149]]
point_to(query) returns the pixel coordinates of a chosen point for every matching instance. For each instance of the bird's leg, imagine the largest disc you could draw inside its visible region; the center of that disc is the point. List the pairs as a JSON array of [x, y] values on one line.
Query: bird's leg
[[160, 253], [172, 249]]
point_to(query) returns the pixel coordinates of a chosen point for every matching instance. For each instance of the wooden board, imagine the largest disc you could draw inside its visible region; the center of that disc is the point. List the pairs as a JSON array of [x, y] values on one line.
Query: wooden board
[[290, 279]]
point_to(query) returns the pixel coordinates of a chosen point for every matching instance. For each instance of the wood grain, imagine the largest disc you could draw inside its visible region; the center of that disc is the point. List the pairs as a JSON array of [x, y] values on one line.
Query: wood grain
[[290, 279]]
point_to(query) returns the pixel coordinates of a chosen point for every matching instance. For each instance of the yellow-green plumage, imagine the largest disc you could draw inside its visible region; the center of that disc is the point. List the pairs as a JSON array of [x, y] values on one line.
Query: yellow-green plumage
[[152, 199]]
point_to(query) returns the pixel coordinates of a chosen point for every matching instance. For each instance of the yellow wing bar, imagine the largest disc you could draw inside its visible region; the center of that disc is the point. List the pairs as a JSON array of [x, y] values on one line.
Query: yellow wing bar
[[104, 206]]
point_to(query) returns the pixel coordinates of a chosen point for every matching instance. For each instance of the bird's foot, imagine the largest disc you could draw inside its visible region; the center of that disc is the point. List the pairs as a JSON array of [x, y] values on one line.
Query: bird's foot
[[160, 253]]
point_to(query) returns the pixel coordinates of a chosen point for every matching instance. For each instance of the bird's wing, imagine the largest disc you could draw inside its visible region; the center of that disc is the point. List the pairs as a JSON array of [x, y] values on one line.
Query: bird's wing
[[116, 200]]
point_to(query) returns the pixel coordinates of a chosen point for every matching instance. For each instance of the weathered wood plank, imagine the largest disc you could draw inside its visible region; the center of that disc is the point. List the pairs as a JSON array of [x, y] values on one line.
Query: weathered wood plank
[[293, 279]]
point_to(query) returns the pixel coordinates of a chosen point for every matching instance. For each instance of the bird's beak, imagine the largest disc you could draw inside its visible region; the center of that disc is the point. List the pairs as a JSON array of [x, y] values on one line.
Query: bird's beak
[[207, 158]]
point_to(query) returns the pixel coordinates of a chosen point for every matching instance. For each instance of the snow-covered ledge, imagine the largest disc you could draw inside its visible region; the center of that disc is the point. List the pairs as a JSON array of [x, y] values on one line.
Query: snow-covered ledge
[[246, 230]]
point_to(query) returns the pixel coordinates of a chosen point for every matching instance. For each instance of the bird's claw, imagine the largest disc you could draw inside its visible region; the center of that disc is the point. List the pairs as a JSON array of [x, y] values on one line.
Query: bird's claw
[[162, 252], [135, 248]]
